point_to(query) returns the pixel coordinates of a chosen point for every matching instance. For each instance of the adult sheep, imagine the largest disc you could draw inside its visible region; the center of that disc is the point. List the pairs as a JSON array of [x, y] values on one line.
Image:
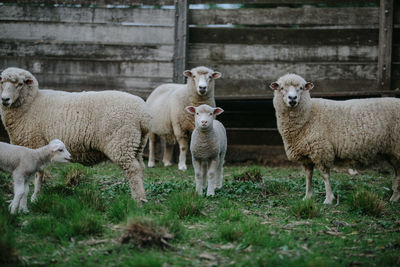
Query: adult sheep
[[170, 120], [93, 125], [323, 133]]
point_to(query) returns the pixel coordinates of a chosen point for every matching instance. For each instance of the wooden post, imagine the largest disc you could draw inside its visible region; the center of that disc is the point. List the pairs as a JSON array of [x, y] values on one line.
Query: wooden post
[[181, 39], [385, 44]]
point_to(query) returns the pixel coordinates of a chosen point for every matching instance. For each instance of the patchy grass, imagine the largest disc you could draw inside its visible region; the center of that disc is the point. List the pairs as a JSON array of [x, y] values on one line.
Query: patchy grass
[[256, 219]]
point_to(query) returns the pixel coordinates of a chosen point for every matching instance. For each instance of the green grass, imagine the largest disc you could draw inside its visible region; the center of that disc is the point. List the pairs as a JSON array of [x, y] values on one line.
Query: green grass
[[258, 218]]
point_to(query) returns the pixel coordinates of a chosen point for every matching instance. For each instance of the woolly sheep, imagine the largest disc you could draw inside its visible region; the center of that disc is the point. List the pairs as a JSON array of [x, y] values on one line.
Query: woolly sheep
[[93, 125], [170, 121], [208, 147], [23, 162], [323, 133]]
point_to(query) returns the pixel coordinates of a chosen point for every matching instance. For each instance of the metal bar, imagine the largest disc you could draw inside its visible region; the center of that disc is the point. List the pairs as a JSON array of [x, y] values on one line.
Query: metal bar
[[181, 39], [385, 44]]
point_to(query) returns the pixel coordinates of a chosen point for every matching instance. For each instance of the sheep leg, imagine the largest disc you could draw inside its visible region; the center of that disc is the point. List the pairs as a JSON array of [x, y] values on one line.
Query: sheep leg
[[152, 143], [220, 174], [168, 152], [329, 197], [204, 167], [19, 190], [212, 177], [395, 185], [183, 145], [23, 202], [308, 168], [37, 185], [198, 174]]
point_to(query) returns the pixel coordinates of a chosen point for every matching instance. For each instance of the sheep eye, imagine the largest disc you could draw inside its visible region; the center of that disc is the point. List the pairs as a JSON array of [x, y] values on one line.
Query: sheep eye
[[210, 114], [60, 150], [197, 113], [20, 84], [194, 76], [301, 88]]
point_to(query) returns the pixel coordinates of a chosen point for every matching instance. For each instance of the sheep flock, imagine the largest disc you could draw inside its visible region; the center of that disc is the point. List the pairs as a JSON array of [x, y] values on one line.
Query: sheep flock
[[96, 126]]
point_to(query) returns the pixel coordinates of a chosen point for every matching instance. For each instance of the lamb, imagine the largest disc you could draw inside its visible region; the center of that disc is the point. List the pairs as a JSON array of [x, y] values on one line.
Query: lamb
[[93, 125], [23, 162], [323, 133], [170, 121], [208, 147]]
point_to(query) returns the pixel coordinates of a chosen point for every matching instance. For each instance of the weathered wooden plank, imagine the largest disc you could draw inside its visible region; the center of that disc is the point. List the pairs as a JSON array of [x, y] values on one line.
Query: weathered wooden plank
[[385, 44], [259, 154], [90, 67], [23, 48], [87, 15], [252, 136], [287, 16], [309, 70], [346, 2], [248, 88], [105, 34], [181, 39], [94, 2], [284, 36], [218, 53], [396, 53]]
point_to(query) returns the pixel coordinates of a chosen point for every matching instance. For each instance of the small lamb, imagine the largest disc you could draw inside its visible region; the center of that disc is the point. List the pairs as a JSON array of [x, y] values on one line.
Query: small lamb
[[24, 162], [208, 146]]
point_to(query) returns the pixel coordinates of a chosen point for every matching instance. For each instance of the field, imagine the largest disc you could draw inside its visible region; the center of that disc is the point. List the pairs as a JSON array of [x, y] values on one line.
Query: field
[[85, 217]]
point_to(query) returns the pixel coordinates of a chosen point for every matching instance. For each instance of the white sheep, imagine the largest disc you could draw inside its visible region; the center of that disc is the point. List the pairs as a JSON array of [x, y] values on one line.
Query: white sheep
[[93, 125], [323, 133], [24, 162], [170, 121], [208, 147]]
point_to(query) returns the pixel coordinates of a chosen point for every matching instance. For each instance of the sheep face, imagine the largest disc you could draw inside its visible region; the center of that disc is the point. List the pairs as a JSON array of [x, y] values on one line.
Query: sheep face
[[290, 88], [204, 115], [202, 78], [11, 84], [60, 152]]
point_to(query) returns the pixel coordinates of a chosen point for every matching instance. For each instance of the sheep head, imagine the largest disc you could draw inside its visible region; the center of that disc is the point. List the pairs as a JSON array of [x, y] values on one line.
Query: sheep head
[[290, 88], [202, 78], [14, 83], [204, 115]]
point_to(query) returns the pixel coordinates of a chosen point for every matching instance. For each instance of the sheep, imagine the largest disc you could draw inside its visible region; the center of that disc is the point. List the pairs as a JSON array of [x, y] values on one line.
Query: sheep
[[94, 126], [208, 147], [23, 162], [170, 121], [322, 133]]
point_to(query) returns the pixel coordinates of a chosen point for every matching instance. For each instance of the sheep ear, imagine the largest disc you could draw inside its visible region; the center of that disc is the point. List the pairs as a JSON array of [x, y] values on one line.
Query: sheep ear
[[187, 73], [54, 147], [218, 111], [309, 86], [191, 109], [216, 75], [274, 86], [29, 81]]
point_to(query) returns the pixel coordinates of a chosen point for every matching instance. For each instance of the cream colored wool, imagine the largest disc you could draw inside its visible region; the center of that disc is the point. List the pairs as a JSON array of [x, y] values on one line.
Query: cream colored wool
[[93, 125], [170, 120], [324, 133]]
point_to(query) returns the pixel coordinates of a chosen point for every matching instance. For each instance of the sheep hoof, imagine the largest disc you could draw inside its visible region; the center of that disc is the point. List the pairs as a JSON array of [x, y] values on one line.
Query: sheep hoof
[[151, 164], [182, 167], [33, 198], [167, 164], [328, 201], [395, 197], [143, 200], [307, 197]]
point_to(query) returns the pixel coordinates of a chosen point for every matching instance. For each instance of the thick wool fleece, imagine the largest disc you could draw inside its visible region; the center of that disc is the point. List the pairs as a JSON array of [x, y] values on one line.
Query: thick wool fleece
[[93, 125]]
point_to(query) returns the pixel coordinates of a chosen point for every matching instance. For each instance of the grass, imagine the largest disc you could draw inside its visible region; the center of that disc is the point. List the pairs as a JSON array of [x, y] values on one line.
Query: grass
[[256, 219]]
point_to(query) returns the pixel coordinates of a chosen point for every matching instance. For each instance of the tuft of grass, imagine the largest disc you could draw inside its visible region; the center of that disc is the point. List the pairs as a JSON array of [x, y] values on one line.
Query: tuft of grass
[[120, 208], [74, 174], [230, 232], [306, 209], [143, 232], [186, 204], [367, 203], [252, 174]]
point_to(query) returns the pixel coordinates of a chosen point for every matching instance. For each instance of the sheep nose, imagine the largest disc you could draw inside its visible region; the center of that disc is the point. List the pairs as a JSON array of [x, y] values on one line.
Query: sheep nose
[[5, 99], [203, 122], [292, 97], [202, 89]]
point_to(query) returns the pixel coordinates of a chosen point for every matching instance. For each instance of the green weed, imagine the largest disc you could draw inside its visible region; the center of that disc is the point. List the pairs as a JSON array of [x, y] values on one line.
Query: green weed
[[366, 202], [186, 204], [306, 209]]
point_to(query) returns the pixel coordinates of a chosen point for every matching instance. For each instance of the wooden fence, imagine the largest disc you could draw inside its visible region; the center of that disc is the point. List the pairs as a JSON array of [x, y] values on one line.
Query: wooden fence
[[347, 48]]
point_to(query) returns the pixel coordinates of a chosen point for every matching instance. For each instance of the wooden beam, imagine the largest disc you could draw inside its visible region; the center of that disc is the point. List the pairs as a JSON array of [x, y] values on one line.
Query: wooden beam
[[181, 39], [385, 44]]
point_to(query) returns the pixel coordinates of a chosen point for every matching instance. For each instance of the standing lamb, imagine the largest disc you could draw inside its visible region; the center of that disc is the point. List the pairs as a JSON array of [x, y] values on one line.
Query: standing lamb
[[323, 133], [93, 125], [167, 106], [23, 162], [208, 146]]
